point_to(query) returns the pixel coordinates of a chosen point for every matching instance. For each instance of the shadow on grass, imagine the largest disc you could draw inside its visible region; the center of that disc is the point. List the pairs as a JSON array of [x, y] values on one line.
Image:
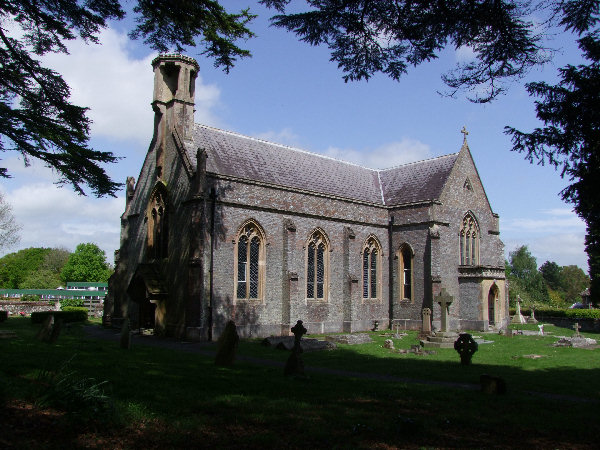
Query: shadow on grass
[[175, 399]]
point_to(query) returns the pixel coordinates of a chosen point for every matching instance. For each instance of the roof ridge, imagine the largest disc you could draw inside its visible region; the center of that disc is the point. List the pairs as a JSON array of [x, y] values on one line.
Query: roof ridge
[[288, 147], [420, 161]]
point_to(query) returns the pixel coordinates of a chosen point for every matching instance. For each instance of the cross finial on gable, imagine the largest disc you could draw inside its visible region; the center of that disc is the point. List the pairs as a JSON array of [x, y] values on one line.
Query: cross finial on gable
[[465, 133]]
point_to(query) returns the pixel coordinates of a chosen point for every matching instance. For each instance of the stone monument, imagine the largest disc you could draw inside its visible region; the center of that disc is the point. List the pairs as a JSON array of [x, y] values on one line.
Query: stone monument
[[443, 338], [466, 346], [227, 345], [518, 317], [294, 365], [426, 327]]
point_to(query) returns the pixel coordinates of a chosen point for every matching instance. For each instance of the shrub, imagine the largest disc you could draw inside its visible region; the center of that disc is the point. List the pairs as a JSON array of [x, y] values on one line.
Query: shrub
[[583, 313], [79, 315], [30, 298], [3, 316], [68, 302], [82, 397]]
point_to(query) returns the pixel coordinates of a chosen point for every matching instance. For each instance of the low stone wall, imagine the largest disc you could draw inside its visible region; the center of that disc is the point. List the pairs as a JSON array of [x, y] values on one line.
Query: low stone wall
[[15, 308]]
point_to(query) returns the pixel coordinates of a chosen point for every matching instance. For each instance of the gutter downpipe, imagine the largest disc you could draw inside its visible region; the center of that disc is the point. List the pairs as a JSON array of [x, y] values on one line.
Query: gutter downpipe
[[391, 271], [213, 198]]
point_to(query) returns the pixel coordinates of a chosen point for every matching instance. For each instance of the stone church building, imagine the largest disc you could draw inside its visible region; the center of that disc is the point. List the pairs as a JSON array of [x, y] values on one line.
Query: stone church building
[[222, 226]]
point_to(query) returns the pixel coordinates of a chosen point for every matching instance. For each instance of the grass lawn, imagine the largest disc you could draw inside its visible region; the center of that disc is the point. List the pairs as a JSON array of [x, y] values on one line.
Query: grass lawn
[[162, 398]]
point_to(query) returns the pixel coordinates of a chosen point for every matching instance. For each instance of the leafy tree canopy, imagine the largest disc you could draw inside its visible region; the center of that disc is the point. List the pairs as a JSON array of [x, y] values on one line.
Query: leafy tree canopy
[[16, 267], [551, 272], [36, 118], [87, 264]]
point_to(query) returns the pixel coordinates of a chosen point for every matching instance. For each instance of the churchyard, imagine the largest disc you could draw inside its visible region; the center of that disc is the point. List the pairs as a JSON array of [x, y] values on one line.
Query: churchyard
[[86, 392]]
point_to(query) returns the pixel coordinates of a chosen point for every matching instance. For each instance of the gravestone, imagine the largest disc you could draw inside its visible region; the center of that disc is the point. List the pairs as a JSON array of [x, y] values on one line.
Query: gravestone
[[518, 317], [426, 327], [466, 346], [125, 334], [541, 327], [577, 327], [445, 300], [388, 343], [491, 384], [532, 318], [227, 345], [46, 330], [55, 331], [294, 365], [442, 338]]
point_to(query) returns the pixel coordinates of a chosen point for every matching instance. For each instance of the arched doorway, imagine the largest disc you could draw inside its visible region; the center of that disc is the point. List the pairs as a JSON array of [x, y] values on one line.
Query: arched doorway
[[146, 310], [492, 298]]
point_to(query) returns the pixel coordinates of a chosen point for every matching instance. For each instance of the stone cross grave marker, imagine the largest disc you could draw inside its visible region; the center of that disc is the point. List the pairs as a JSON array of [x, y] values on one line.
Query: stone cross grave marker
[[294, 365], [577, 327], [465, 345], [426, 321], [444, 299]]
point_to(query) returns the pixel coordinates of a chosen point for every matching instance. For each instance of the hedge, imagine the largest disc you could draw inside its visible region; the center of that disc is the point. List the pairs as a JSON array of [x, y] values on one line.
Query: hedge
[[78, 315], [70, 303], [555, 312]]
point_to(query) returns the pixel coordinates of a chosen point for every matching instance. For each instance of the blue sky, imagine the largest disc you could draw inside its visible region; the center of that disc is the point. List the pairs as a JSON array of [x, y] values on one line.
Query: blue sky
[[290, 93]]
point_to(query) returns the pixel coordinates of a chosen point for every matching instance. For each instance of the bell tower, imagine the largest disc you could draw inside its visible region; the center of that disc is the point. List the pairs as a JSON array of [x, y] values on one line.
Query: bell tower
[[173, 100]]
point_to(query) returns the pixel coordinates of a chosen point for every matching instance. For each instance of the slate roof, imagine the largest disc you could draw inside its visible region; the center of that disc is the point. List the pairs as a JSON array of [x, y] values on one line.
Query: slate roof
[[244, 157]]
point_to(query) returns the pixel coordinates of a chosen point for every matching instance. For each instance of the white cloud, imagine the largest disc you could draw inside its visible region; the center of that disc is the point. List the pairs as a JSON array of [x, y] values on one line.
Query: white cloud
[[386, 156], [118, 87], [551, 235], [284, 137], [57, 217]]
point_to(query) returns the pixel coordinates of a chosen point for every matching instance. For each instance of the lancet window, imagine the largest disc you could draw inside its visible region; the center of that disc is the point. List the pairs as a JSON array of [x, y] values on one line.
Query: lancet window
[[405, 262], [249, 262], [469, 241], [317, 260], [158, 236], [371, 268]]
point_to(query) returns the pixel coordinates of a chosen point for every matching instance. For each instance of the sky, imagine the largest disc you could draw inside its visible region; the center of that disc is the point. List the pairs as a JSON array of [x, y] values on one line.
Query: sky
[[290, 93]]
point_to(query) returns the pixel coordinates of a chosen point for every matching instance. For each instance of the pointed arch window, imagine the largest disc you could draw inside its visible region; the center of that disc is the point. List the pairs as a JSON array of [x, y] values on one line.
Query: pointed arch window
[[317, 266], [371, 268], [469, 241], [249, 262], [158, 226], [405, 262]]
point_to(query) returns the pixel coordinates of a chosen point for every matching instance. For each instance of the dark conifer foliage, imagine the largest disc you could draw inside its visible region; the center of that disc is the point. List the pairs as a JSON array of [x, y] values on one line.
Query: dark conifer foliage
[[36, 118]]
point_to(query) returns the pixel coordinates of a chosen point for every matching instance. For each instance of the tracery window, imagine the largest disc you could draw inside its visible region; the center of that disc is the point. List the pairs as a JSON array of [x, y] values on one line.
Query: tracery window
[[405, 262], [157, 236], [249, 262], [317, 261], [469, 241], [371, 260]]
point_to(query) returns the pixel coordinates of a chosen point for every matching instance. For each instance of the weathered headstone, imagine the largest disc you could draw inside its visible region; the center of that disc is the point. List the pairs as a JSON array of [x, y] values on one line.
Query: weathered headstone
[[294, 365], [466, 346], [227, 345], [491, 384], [55, 331], [126, 334], [388, 343], [444, 299], [532, 318], [577, 327], [426, 327], [518, 317], [46, 330]]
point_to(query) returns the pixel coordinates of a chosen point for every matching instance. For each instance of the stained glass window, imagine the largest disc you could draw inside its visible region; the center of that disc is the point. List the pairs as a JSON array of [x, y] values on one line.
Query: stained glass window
[[371, 269]]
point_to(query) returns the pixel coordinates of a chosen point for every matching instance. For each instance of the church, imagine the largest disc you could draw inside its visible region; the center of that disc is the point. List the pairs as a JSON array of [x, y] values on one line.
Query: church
[[221, 226]]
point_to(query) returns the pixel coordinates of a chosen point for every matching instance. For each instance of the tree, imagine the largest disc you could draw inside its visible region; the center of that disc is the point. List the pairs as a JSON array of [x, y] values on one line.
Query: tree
[[9, 228], [36, 118], [524, 278], [16, 267], [47, 276], [88, 264], [573, 282], [551, 272]]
